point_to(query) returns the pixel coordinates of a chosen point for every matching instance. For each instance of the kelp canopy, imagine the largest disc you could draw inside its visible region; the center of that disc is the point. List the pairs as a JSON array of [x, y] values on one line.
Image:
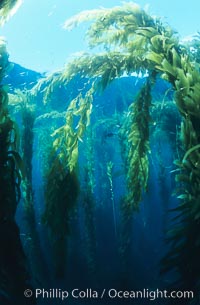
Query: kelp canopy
[[133, 42]]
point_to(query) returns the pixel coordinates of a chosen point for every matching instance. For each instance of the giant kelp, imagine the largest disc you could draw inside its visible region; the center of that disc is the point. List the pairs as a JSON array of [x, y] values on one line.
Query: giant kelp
[[62, 177], [61, 192], [135, 150], [13, 269], [14, 275], [138, 147], [127, 33], [32, 244], [62, 185], [136, 42]]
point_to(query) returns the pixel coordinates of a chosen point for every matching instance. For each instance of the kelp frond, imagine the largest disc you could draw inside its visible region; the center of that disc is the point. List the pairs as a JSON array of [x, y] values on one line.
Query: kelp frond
[[128, 16], [106, 66], [134, 42], [68, 136], [135, 134], [102, 68], [61, 192]]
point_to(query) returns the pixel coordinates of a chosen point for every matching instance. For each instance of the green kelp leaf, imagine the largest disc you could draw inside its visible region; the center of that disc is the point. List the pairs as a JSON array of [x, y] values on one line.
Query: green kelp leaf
[[194, 94], [176, 59], [167, 67], [185, 62], [191, 81], [155, 57], [182, 83], [148, 32], [107, 77], [157, 42], [190, 151], [164, 76], [73, 159], [137, 44], [191, 106]]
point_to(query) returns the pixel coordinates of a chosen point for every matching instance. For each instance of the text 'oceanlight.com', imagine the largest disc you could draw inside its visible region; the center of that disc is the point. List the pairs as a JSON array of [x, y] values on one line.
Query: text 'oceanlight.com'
[[112, 293]]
